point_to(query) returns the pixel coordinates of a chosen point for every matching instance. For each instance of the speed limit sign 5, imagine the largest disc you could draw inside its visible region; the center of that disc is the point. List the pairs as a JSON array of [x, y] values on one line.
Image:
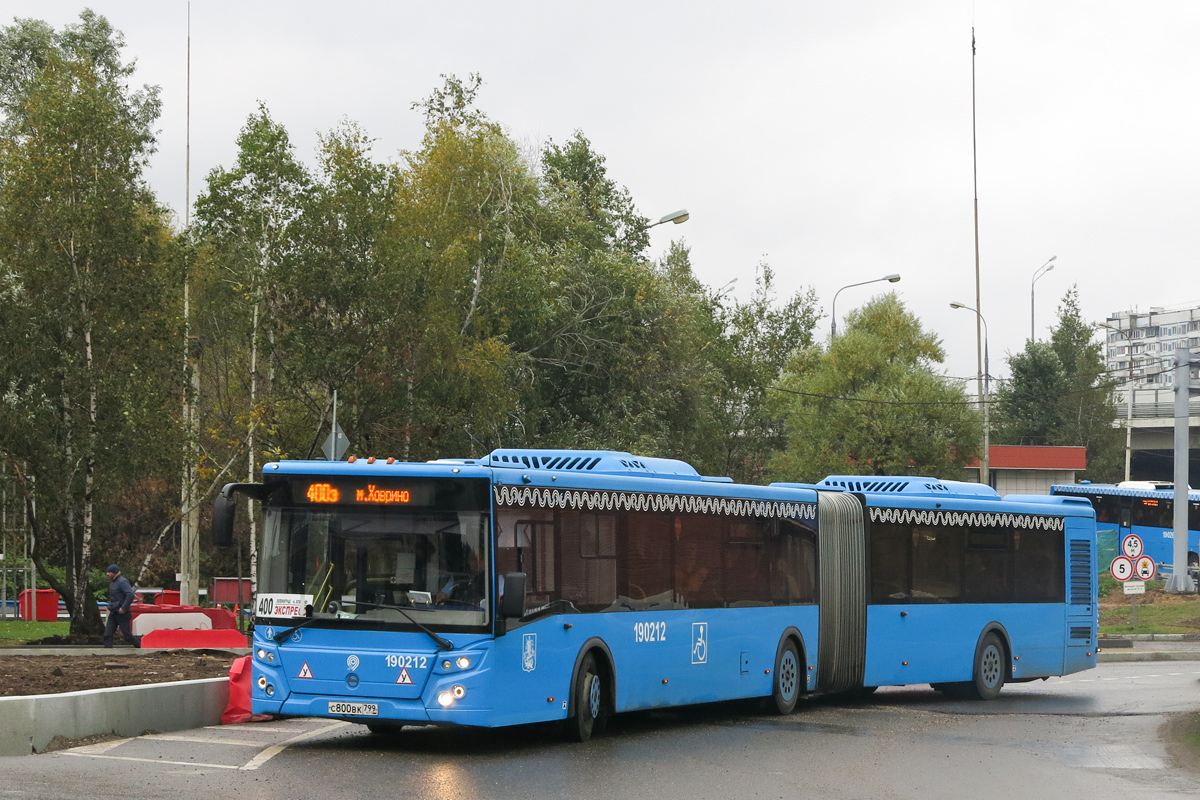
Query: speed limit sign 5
[[1121, 568]]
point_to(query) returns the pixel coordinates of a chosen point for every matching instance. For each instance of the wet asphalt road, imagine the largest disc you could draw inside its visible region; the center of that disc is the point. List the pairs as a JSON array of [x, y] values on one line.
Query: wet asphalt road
[[1093, 735]]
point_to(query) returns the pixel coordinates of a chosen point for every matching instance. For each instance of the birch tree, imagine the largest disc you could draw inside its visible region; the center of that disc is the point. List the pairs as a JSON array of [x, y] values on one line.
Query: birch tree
[[86, 322]]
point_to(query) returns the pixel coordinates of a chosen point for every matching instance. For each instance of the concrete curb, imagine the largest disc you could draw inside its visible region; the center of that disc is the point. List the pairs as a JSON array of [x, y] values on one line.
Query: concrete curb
[[30, 722], [1143, 655]]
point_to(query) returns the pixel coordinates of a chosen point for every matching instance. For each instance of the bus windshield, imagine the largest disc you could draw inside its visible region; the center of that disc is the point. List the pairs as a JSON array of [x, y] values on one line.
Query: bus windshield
[[381, 563]]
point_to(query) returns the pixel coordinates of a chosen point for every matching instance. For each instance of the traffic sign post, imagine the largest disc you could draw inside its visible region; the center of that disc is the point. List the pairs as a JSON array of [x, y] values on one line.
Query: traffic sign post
[[1133, 569]]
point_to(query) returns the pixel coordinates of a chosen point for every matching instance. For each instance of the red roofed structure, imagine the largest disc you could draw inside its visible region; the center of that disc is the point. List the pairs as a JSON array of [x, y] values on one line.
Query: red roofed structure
[[1021, 469]]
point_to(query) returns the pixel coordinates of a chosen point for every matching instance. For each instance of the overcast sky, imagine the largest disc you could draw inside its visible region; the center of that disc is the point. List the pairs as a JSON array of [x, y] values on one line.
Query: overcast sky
[[832, 140]]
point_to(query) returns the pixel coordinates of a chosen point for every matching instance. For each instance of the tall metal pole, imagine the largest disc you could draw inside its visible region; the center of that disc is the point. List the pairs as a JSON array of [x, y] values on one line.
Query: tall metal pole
[[4, 555], [189, 522], [1129, 413], [984, 475], [1180, 582], [32, 549]]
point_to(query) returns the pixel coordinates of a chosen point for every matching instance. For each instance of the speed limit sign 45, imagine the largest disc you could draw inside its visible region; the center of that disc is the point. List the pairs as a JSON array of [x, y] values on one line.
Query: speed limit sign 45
[[1132, 546], [1122, 568]]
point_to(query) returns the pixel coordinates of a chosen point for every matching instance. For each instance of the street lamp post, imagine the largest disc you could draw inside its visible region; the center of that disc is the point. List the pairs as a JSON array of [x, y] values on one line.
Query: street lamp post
[[678, 217], [985, 381], [1128, 335], [833, 308], [1042, 270]]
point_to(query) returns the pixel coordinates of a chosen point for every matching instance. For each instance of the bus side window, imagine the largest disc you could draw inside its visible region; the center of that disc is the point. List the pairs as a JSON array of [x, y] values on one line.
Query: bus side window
[[1039, 564], [588, 559], [648, 566], [987, 566], [1107, 508], [793, 564], [1126, 517], [937, 563], [698, 560], [891, 552], [748, 574]]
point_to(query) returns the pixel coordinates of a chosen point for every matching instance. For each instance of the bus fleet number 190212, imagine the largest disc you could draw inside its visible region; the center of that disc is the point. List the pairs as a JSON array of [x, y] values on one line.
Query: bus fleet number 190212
[[650, 632]]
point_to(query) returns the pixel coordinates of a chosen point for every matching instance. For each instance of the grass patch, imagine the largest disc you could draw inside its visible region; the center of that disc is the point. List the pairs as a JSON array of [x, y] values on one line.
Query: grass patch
[[19, 631], [1157, 612], [1189, 732]]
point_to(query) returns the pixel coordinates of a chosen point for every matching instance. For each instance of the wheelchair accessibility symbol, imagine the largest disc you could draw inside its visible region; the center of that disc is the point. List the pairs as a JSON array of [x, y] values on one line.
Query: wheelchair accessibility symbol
[[699, 642]]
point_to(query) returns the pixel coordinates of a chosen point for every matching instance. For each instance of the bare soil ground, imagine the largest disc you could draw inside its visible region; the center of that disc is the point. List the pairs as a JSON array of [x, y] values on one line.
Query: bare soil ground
[[23, 675]]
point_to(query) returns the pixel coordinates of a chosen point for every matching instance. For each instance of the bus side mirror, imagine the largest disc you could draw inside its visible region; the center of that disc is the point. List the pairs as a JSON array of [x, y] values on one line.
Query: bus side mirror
[[512, 604], [224, 509]]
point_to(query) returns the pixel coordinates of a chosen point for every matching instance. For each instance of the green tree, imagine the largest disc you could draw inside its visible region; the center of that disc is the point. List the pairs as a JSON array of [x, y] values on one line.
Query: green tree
[[1026, 405], [246, 216], [1061, 394], [872, 404], [760, 338], [577, 171], [1086, 411], [86, 358]]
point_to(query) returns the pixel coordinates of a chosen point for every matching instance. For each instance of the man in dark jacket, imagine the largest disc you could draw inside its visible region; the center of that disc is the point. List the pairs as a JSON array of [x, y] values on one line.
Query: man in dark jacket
[[120, 598]]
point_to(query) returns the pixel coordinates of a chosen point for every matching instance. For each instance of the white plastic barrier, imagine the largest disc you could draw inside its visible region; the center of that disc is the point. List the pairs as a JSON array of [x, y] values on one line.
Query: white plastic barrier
[[181, 621]]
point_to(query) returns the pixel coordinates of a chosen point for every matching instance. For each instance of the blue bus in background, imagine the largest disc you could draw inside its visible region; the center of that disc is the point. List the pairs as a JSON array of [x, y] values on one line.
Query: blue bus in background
[[1145, 508], [554, 585]]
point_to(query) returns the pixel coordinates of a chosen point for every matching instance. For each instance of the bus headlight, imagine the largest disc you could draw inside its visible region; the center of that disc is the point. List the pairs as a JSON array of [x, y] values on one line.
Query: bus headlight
[[463, 662], [262, 654], [262, 681], [446, 699], [270, 690], [459, 692]]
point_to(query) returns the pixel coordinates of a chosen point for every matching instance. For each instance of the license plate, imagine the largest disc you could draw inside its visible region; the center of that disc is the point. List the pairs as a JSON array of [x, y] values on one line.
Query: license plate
[[355, 709]]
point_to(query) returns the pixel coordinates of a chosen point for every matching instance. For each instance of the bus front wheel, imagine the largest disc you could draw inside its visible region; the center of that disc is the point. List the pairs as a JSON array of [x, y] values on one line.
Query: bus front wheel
[[786, 686], [588, 702]]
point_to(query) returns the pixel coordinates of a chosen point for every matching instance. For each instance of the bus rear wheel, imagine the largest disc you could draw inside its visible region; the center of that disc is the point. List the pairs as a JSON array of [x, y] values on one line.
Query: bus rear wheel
[[786, 686], [988, 675], [588, 703]]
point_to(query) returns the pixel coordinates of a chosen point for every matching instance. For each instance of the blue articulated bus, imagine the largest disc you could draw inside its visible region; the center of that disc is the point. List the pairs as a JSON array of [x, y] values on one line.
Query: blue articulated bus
[[553, 585], [1145, 508]]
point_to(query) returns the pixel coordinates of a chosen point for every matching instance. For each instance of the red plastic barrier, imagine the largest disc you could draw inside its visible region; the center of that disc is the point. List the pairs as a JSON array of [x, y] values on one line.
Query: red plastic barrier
[[238, 710], [185, 640], [222, 618], [47, 605]]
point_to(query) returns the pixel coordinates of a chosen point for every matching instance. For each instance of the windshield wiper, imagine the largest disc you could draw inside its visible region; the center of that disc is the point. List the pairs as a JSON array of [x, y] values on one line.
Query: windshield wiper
[[444, 644], [279, 637]]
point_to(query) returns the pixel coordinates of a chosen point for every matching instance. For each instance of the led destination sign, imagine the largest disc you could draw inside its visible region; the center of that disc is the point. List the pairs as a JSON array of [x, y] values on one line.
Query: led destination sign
[[362, 492]]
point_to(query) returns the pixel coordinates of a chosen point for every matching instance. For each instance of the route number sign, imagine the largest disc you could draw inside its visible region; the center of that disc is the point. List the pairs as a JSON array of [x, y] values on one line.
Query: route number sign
[[1121, 568], [1132, 545], [1143, 567]]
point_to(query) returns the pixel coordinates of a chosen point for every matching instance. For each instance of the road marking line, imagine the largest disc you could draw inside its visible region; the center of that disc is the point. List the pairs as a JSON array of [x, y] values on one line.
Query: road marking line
[[271, 752], [150, 760], [170, 737], [255, 729], [96, 749]]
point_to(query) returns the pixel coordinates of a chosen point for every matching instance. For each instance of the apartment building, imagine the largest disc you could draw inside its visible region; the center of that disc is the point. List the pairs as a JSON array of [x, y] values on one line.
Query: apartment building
[[1140, 346]]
